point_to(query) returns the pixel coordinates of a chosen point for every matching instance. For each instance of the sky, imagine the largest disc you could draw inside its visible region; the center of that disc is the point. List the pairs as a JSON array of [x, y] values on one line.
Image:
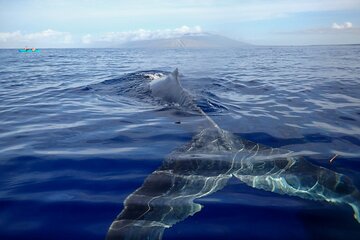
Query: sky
[[89, 23]]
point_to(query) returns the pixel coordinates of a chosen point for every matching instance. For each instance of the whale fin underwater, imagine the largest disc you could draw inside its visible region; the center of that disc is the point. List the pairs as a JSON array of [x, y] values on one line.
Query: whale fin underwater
[[207, 162]]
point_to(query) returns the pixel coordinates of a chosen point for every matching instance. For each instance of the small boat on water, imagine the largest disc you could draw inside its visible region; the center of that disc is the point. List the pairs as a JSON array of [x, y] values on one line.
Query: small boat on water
[[29, 50]]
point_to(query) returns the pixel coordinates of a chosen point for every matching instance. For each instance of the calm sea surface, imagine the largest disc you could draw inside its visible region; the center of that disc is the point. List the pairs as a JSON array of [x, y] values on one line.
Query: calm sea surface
[[77, 136]]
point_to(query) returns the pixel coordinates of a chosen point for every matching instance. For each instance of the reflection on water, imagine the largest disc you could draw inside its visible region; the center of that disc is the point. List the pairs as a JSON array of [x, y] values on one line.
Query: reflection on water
[[70, 153]]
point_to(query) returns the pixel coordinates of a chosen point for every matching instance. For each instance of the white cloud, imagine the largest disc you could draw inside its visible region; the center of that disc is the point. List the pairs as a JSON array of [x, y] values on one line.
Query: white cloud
[[141, 34], [346, 28], [345, 25], [86, 39], [9, 36], [46, 38]]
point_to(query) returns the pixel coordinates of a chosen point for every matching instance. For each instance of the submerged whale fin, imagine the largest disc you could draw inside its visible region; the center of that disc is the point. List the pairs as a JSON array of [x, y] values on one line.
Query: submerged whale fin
[[204, 166], [294, 176], [167, 195]]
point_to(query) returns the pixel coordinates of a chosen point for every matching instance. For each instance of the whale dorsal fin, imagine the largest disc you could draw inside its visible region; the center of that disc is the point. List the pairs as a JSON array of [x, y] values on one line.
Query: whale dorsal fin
[[175, 75], [170, 90]]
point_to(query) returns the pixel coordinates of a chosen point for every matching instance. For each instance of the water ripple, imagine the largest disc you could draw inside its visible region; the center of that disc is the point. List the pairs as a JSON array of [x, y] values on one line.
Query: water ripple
[[79, 131]]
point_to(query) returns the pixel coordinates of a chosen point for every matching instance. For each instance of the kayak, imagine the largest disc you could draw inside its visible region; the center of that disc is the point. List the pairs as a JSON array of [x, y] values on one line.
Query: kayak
[[29, 50]]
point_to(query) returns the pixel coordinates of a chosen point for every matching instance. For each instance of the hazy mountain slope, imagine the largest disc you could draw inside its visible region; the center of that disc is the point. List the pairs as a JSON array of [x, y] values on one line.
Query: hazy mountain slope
[[187, 41]]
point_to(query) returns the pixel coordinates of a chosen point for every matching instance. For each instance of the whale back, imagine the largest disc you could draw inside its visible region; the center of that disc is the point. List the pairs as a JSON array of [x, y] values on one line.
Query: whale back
[[170, 90]]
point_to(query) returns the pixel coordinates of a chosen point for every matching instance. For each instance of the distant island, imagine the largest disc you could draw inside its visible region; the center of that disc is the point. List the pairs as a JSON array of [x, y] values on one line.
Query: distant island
[[203, 40]]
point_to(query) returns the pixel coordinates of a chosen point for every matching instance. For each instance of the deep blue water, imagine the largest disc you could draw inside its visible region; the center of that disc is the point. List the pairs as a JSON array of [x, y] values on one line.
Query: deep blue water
[[77, 136]]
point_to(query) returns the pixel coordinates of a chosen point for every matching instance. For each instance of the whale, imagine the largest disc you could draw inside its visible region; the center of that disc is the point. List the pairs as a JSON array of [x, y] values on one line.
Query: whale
[[204, 166]]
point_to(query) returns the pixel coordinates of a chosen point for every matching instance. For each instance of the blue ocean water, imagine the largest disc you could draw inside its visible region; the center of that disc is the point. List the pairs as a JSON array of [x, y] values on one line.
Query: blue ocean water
[[77, 136]]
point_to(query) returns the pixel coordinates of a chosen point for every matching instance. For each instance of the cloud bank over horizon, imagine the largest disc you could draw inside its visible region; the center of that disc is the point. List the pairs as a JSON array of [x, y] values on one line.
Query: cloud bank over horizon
[[43, 38], [50, 38], [140, 34], [53, 38]]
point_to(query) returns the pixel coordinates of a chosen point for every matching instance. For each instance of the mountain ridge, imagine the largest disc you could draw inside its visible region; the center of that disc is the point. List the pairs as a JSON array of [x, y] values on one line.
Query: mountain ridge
[[203, 40]]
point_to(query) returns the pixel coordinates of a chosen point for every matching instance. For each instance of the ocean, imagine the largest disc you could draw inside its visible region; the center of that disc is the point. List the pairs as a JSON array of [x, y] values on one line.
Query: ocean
[[78, 136]]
